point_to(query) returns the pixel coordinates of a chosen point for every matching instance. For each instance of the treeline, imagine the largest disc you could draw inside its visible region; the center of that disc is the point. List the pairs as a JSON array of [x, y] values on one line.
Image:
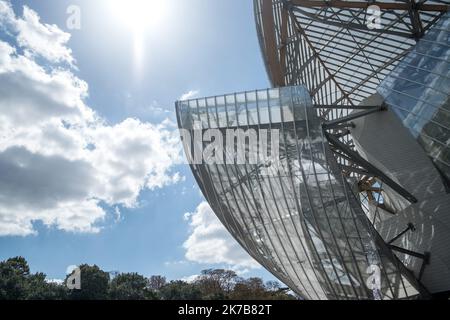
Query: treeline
[[18, 283]]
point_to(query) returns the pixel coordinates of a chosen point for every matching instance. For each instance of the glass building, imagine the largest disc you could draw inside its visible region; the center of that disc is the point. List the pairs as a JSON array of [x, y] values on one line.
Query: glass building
[[418, 92], [336, 179]]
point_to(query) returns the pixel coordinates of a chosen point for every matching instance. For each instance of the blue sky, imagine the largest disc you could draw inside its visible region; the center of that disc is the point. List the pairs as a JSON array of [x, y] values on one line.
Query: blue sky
[[202, 46]]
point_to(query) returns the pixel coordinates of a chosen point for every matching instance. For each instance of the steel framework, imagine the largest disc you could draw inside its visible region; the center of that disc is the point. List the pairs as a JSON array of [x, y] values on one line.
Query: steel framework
[[328, 47], [339, 206]]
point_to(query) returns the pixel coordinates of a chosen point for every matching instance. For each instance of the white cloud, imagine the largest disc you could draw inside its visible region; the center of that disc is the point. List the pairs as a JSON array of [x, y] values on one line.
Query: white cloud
[[156, 109], [189, 95], [55, 281], [7, 16], [210, 243], [153, 110], [175, 263], [59, 161], [37, 39]]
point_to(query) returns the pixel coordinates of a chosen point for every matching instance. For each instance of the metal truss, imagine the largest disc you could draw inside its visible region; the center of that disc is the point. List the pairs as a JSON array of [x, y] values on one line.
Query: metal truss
[[301, 220], [368, 168], [305, 221], [328, 47]]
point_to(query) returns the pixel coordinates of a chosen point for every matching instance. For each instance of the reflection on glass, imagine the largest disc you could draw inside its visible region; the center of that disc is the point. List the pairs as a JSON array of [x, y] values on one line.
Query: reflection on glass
[[299, 218], [418, 91]]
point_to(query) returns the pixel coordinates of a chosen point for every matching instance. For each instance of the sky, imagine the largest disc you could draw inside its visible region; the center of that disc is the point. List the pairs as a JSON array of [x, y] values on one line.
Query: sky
[[91, 167]]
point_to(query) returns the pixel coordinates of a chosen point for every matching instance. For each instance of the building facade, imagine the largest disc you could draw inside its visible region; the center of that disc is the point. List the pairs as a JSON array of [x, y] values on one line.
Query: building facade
[[336, 180]]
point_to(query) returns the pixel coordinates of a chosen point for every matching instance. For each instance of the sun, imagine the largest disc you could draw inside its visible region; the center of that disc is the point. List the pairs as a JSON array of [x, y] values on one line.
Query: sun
[[139, 15], [140, 18]]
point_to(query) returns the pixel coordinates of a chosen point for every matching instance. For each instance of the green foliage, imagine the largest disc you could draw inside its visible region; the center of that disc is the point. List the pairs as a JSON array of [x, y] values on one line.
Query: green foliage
[[40, 289], [13, 279], [216, 284], [17, 283], [252, 288], [180, 290], [94, 284], [155, 283], [130, 286]]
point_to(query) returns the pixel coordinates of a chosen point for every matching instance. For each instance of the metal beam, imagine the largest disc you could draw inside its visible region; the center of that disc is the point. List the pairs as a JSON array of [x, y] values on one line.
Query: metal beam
[[386, 250], [409, 252], [410, 227], [346, 107], [352, 116], [416, 21], [270, 41], [283, 40], [370, 167], [355, 170], [342, 133], [344, 126], [364, 5], [425, 262]]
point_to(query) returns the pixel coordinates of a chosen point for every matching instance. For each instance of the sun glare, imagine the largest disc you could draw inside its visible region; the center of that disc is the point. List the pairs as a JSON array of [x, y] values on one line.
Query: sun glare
[[139, 15], [141, 18]]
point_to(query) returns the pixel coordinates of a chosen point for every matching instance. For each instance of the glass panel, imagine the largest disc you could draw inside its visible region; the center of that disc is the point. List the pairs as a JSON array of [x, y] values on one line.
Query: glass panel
[[212, 114], [241, 109], [297, 216], [274, 105], [424, 105], [252, 108], [263, 106]]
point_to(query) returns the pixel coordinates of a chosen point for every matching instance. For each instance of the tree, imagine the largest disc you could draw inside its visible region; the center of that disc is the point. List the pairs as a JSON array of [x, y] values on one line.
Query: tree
[[273, 286], [180, 290], [13, 279], [249, 289], [155, 283], [40, 289], [130, 286], [17, 283], [94, 284], [254, 289], [216, 284], [277, 292]]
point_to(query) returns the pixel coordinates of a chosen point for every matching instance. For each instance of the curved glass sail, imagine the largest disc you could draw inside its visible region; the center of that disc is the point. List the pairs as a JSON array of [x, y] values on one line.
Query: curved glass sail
[[291, 209], [299, 176], [418, 90], [346, 52]]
